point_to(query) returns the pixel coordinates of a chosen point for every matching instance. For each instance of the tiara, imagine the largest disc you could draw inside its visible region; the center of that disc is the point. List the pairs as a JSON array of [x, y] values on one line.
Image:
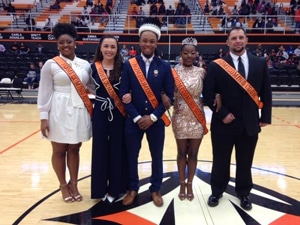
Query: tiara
[[189, 41]]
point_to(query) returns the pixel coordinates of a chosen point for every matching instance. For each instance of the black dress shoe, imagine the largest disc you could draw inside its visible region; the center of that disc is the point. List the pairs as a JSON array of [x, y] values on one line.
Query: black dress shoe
[[245, 202], [213, 200]]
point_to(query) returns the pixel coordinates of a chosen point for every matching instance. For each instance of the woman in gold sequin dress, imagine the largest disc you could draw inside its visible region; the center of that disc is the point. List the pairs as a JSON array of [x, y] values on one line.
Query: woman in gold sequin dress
[[187, 129]]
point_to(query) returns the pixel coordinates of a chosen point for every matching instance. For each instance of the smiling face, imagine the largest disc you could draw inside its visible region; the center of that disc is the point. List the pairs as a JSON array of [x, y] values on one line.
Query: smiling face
[[66, 46], [148, 43], [237, 41], [109, 48], [188, 55]]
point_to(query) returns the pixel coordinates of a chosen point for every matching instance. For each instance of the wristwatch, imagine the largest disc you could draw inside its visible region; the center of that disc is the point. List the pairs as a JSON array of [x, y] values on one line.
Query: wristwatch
[[153, 118]]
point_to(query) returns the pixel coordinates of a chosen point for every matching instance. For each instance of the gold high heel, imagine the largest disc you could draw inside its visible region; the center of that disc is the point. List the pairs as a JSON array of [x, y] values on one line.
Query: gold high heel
[[190, 196], [78, 197], [182, 194], [67, 199]]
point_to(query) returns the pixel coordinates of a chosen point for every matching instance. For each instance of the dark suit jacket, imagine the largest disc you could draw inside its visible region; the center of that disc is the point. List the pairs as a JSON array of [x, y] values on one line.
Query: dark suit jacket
[[159, 78], [235, 100]]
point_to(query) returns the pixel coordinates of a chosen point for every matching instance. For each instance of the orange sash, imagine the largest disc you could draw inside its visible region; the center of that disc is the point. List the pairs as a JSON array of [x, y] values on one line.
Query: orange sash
[[76, 82], [189, 100], [109, 88], [240, 80], [147, 89]]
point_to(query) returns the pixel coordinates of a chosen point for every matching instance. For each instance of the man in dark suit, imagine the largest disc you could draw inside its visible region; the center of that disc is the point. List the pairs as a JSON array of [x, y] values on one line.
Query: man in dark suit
[[142, 117], [238, 121]]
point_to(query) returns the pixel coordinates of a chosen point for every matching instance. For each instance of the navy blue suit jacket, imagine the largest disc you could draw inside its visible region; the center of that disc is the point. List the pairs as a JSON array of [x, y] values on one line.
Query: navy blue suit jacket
[[235, 100], [159, 78]]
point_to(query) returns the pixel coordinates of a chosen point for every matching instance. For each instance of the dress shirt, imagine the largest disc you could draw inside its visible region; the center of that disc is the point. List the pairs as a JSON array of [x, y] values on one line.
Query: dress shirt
[[245, 60]]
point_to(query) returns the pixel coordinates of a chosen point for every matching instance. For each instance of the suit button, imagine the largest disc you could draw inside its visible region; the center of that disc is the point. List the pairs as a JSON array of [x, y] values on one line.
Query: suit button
[[146, 101], [146, 109]]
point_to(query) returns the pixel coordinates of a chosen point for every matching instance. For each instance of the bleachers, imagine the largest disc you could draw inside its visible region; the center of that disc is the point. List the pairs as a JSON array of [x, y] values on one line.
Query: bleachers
[[249, 21]]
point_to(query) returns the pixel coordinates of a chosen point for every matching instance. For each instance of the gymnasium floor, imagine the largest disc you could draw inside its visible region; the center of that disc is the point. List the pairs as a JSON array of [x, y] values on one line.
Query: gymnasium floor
[[29, 191]]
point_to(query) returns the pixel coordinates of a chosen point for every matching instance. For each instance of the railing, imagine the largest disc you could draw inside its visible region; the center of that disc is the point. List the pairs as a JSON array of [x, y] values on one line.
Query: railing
[[123, 23]]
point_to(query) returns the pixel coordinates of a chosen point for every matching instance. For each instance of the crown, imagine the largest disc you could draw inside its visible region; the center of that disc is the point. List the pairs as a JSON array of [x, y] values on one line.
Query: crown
[[150, 27], [189, 41]]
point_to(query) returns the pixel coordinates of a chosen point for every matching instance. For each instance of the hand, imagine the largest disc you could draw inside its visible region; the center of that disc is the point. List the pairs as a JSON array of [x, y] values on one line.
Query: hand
[[263, 124], [126, 98], [145, 122], [45, 127], [166, 101], [218, 102], [229, 118]]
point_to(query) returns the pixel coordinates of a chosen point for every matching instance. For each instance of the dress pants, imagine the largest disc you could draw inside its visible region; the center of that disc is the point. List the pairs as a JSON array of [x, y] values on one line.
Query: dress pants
[[155, 137], [244, 152]]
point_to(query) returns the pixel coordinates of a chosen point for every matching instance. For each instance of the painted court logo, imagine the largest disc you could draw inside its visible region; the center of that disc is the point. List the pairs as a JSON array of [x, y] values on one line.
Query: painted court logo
[[269, 207]]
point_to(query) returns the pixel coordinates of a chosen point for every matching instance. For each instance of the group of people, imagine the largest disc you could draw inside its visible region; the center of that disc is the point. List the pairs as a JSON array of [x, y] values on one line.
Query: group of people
[[131, 98]]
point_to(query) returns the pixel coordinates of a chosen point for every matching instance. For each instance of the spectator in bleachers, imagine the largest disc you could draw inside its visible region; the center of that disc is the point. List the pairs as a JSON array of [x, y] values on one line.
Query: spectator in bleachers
[[30, 23], [132, 52], [2, 5], [162, 9], [48, 25], [14, 48], [85, 12], [206, 7], [180, 19], [201, 63], [38, 71], [100, 9], [39, 48], [138, 2], [170, 12], [93, 15], [89, 3], [109, 3], [56, 5], [31, 76], [134, 13], [297, 19], [104, 17], [235, 11], [244, 9], [2, 48], [187, 12], [140, 18], [258, 25], [282, 53], [23, 49], [124, 53], [107, 8], [269, 26], [258, 51], [10, 9], [153, 9], [297, 51], [220, 53], [179, 63]]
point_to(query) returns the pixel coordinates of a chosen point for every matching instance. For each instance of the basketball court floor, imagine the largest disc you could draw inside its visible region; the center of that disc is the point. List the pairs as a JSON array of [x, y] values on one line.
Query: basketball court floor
[[29, 192]]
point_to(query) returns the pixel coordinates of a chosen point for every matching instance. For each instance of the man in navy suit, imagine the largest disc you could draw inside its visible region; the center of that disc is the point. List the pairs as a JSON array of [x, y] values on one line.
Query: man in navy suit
[[142, 117], [238, 121]]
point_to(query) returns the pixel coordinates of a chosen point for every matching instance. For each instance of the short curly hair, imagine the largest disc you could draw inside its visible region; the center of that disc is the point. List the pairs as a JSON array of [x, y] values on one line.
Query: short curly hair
[[64, 28]]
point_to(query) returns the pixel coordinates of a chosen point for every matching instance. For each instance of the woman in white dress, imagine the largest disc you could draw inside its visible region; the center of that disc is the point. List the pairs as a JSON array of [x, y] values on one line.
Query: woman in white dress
[[64, 119]]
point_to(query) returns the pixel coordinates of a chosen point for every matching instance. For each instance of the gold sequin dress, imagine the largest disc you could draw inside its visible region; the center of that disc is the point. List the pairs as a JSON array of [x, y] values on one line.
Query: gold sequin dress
[[184, 123]]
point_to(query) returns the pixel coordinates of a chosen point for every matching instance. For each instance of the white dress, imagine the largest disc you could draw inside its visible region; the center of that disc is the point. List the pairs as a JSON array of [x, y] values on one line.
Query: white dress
[[59, 102]]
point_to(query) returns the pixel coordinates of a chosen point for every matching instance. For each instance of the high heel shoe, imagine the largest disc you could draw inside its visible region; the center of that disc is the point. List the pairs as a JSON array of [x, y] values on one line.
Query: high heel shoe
[[182, 194], [64, 188], [73, 187], [190, 194]]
